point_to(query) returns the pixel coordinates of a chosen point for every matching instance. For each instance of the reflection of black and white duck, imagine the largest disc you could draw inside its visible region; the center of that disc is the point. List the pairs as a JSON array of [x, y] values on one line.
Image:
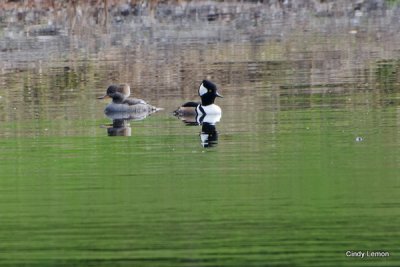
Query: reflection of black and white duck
[[208, 135], [122, 104], [207, 92]]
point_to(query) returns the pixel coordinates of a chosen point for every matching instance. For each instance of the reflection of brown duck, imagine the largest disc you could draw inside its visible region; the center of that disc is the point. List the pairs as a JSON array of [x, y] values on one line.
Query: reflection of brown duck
[[207, 92], [120, 127], [122, 104]]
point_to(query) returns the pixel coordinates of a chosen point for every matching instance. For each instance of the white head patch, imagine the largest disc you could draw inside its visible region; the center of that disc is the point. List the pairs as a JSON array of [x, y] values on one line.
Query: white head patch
[[202, 90]]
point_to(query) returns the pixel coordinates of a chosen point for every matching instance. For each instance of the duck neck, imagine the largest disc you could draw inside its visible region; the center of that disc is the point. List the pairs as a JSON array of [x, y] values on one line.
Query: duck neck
[[207, 100], [118, 98]]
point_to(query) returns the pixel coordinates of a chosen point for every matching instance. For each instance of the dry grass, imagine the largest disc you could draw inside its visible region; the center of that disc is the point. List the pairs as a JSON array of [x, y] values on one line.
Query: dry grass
[[60, 4]]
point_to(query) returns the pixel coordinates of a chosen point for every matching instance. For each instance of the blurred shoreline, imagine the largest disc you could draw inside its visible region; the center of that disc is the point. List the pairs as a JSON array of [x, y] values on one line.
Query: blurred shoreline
[[91, 27], [103, 12], [135, 39], [287, 48]]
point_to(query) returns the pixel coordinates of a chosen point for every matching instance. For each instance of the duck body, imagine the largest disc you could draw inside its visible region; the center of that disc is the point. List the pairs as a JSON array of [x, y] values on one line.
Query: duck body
[[122, 104], [126, 108], [187, 109], [207, 92], [208, 110]]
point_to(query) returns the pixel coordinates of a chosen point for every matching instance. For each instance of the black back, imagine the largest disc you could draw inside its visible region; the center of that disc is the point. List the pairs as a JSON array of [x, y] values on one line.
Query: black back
[[190, 104]]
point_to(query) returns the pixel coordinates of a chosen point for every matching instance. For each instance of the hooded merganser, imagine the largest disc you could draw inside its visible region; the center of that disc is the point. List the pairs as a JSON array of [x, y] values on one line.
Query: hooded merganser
[[208, 93], [122, 104]]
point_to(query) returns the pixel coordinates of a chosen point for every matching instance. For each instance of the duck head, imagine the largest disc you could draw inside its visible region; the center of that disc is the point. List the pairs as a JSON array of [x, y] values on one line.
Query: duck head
[[208, 92], [117, 92]]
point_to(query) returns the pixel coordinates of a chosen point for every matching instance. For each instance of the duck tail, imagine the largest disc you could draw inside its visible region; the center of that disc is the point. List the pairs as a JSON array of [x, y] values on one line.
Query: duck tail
[[176, 112], [155, 109]]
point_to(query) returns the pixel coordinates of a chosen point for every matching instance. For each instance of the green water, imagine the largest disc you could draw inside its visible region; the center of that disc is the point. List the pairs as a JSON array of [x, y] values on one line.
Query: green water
[[306, 167], [295, 190]]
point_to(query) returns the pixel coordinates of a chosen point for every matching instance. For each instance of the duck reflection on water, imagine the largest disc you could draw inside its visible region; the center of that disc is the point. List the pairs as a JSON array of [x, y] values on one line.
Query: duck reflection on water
[[209, 133], [122, 110], [119, 127]]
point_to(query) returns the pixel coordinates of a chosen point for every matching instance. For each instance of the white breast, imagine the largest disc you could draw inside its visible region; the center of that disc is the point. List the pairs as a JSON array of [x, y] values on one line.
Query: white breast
[[210, 110], [211, 119]]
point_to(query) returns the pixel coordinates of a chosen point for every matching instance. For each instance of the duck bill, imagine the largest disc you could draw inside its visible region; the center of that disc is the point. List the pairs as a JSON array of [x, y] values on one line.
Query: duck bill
[[217, 94], [102, 97]]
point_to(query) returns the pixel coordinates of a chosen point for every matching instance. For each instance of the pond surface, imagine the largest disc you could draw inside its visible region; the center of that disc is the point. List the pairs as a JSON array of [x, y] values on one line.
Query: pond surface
[[305, 166]]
